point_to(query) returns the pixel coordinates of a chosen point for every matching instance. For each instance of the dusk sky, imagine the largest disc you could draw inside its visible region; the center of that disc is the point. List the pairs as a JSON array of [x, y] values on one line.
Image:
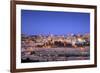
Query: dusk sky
[[44, 22]]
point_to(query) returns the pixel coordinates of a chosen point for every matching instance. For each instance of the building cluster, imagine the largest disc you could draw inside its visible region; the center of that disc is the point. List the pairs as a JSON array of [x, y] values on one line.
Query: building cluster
[[53, 41], [40, 48]]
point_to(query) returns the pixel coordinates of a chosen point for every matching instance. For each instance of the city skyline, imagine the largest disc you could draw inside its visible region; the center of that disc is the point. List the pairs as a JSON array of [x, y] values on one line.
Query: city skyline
[[52, 22]]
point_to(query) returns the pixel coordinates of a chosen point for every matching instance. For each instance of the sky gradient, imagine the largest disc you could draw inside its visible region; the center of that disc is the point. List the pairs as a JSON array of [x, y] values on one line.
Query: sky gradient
[[35, 22]]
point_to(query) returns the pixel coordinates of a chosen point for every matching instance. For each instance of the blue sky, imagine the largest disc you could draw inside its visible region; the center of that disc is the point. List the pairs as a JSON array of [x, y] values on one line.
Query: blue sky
[[43, 22]]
